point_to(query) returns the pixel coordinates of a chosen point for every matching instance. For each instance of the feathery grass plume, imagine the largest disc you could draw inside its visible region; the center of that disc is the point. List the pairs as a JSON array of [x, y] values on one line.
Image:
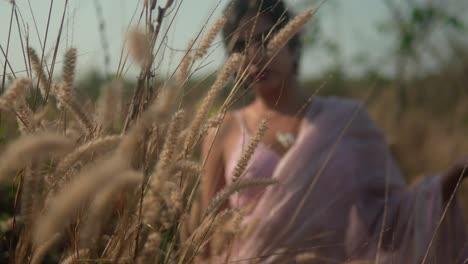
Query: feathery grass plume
[[32, 187], [287, 32], [40, 252], [159, 110], [184, 67], [203, 233], [247, 154], [229, 67], [306, 257], [149, 252], [31, 147], [109, 105], [130, 145], [39, 116], [83, 152], [212, 123], [154, 142], [99, 208], [225, 234], [69, 102], [190, 171], [14, 100], [166, 101], [41, 76], [169, 146], [209, 37], [139, 46], [15, 93], [163, 202], [237, 186], [25, 118], [64, 206], [69, 66]]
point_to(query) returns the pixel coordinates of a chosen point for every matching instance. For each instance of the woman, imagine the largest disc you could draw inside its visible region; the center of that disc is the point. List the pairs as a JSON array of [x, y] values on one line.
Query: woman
[[340, 195]]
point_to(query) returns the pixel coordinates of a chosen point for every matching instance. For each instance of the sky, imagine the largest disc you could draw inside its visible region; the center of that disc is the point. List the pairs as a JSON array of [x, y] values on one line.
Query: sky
[[351, 25]]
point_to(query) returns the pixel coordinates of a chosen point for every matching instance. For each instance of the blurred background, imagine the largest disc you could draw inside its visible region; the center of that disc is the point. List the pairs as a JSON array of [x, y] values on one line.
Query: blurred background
[[407, 60]]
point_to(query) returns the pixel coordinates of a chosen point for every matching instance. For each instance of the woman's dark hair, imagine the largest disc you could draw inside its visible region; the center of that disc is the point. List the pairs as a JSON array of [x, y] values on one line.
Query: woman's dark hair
[[275, 10]]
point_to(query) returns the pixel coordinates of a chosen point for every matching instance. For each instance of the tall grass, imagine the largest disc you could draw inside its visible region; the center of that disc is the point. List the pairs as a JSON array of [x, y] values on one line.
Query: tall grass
[[93, 185]]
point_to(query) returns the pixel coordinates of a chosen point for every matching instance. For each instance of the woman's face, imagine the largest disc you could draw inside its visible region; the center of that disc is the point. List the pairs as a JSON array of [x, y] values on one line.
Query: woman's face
[[264, 74]]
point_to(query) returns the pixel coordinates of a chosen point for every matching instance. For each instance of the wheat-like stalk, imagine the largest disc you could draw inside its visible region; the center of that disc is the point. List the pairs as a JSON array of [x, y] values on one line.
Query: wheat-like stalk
[[41, 250], [69, 102], [109, 105], [100, 206], [197, 241], [27, 120], [148, 254], [237, 186], [287, 32], [169, 146], [65, 205], [205, 43], [83, 152], [228, 69], [14, 94], [139, 46], [29, 148], [68, 75], [184, 67], [41, 76], [248, 152]]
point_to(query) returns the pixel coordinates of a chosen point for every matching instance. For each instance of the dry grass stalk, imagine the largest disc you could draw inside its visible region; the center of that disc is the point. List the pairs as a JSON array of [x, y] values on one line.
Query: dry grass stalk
[[184, 67], [237, 186], [29, 148], [64, 205], [228, 69], [167, 153], [197, 241], [41, 250], [68, 75], [84, 152], [209, 37], [41, 76], [27, 121], [31, 200], [100, 206], [148, 254], [247, 154], [14, 94], [139, 46], [109, 106], [69, 102], [225, 234], [287, 32], [131, 145]]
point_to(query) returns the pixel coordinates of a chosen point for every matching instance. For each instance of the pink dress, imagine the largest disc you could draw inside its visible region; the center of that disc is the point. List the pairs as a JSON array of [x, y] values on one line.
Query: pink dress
[[261, 165], [342, 197]]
